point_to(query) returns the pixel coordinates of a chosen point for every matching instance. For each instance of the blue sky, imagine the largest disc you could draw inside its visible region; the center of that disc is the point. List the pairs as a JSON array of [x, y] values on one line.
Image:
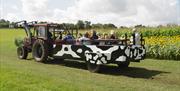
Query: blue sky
[[119, 12]]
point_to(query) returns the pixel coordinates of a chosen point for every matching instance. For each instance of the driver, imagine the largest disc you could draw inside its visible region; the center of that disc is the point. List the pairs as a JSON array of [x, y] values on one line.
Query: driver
[[49, 35]]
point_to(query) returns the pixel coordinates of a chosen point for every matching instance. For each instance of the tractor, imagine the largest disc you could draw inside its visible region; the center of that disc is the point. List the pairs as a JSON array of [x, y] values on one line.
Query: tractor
[[47, 41]]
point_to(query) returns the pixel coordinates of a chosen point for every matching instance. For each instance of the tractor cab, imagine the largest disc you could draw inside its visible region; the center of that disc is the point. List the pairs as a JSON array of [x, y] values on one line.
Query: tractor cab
[[44, 31], [53, 33]]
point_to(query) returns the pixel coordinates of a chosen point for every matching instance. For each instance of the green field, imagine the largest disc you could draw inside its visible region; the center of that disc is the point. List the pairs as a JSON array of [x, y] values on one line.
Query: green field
[[69, 75]]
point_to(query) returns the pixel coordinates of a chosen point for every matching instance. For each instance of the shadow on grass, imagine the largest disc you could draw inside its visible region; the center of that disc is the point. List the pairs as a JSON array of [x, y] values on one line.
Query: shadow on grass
[[133, 72]]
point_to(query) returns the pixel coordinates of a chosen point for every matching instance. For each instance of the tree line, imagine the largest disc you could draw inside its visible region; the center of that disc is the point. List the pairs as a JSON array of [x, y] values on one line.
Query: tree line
[[4, 23], [79, 25], [86, 25]]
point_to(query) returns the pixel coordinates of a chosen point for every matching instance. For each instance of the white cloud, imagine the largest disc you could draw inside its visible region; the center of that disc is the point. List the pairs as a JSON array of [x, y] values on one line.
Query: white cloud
[[1, 9], [12, 17], [35, 9], [14, 7], [127, 12], [119, 12]]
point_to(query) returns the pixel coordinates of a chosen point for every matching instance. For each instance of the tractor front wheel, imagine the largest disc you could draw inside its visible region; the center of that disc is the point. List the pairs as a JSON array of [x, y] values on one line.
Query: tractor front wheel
[[40, 51], [22, 52]]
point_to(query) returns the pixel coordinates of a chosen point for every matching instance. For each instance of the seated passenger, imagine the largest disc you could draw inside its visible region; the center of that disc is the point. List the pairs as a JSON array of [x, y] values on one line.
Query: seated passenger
[[94, 37], [112, 36], [84, 39], [103, 37], [99, 35], [68, 39]]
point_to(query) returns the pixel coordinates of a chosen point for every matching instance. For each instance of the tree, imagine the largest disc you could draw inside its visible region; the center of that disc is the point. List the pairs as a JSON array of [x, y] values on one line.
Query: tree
[[87, 24], [80, 24], [67, 26], [98, 25], [4, 23], [110, 25], [140, 26]]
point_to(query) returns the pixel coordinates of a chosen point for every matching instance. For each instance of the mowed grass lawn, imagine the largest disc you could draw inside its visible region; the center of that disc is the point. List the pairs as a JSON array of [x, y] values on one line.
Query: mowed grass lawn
[[28, 75]]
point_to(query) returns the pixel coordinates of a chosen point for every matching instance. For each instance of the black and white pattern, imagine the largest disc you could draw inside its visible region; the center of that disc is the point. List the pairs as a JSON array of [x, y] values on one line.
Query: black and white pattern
[[67, 49], [100, 54]]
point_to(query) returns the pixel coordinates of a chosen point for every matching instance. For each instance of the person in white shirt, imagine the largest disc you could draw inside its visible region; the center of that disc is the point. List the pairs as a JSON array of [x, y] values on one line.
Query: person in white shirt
[[135, 39], [85, 40]]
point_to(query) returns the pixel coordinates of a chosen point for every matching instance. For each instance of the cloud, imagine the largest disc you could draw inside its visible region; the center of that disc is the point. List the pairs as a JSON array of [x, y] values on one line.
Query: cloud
[[35, 9], [119, 12], [12, 16], [127, 12]]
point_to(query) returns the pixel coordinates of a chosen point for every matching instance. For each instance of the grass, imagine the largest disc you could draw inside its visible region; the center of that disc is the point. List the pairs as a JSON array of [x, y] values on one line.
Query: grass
[[70, 75]]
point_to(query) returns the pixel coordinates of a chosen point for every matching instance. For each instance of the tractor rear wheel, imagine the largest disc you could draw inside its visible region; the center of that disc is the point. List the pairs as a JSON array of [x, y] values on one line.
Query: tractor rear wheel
[[93, 67], [22, 52], [40, 51]]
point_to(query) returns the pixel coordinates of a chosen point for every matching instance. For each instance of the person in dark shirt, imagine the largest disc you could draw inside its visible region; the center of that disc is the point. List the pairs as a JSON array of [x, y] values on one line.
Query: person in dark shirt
[[112, 36], [49, 35], [68, 39], [94, 37]]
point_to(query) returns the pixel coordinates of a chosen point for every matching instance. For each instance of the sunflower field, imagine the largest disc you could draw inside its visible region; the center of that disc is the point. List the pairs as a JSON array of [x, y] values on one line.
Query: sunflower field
[[163, 47]]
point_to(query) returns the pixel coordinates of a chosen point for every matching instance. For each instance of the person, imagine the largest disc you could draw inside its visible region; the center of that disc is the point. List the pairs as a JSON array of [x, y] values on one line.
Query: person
[[112, 35], [103, 39], [99, 35], [68, 39], [104, 36], [50, 45], [49, 35], [135, 39], [94, 37], [84, 39]]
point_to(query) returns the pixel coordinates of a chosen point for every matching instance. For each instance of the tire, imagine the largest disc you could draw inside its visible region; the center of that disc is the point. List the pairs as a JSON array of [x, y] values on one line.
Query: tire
[[123, 64], [22, 52], [93, 67], [40, 51]]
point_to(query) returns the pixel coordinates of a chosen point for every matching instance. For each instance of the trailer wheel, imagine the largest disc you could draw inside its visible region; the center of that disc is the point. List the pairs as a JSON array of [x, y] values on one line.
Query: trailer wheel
[[40, 51], [123, 64], [93, 67], [22, 52]]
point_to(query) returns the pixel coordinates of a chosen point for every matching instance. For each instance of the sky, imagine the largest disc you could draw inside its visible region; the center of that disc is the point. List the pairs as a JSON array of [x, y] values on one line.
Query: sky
[[118, 12]]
